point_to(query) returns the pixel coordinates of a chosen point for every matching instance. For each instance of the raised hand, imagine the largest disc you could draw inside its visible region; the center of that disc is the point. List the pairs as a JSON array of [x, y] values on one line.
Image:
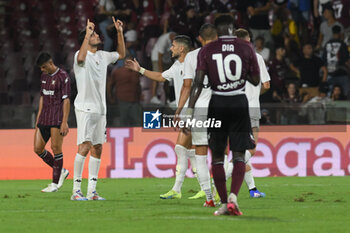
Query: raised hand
[[132, 65], [90, 27], [118, 24]]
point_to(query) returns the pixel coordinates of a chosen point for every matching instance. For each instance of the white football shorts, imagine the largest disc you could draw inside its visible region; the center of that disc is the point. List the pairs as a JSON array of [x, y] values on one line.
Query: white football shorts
[[200, 135], [91, 127]]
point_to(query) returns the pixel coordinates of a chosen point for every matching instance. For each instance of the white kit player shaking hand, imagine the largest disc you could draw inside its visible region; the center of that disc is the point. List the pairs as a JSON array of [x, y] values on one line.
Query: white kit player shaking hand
[[90, 69]]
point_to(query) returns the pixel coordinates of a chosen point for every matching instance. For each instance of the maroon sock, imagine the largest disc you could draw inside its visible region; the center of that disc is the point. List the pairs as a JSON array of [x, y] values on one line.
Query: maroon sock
[[237, 177], [47, 157], [57, 168], [220, 181]]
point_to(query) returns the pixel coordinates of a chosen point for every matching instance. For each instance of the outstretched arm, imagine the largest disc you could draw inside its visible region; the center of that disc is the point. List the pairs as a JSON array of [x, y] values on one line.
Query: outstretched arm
[[121, 44], [135, 66]]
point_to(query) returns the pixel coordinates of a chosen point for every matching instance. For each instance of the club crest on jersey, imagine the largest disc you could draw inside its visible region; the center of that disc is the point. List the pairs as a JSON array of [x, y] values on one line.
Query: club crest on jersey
[[53, 82]]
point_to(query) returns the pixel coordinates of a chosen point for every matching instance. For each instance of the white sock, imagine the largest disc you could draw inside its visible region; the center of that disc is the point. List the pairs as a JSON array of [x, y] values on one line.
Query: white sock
[[228, 171], [247, 156], [94, 167], [248, 177], [204, 175], [226, 162], [181, 167], [78, 171], [191, 155]]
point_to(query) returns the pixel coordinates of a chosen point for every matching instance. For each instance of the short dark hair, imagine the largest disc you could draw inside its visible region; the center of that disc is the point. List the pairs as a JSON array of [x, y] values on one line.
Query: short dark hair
[[260, 38], [208, 32], [185, 40], [241, 33], [81, 36], [42, 58], [224, 20], [336, 29]]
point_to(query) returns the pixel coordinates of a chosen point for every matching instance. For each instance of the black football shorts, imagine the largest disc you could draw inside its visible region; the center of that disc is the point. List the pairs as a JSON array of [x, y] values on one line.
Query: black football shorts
[[233, 113]]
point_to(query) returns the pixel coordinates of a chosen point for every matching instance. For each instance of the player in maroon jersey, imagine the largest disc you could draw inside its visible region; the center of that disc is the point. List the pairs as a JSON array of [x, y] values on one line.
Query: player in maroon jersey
[[228, 62], [51, 121]]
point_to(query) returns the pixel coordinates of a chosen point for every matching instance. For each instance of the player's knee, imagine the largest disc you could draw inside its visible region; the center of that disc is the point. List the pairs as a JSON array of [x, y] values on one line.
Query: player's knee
[[38, 150], [180, 150], [56, 149], [238, 157], [247, 168], [252, 151]]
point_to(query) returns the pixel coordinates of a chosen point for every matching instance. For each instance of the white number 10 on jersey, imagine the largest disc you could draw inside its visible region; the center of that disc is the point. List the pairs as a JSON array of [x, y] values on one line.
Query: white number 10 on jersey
[[224, 67]]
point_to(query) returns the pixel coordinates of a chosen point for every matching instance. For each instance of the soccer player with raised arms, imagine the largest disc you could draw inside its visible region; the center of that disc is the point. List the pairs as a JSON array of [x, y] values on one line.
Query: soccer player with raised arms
[[228, 62], [51, 121], [90, 69]]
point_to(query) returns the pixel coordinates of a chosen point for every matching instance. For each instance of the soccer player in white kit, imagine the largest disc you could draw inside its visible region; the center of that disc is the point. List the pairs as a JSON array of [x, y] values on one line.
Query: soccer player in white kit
[[207, 34], [252, 92], [90, 69], [181, 45]]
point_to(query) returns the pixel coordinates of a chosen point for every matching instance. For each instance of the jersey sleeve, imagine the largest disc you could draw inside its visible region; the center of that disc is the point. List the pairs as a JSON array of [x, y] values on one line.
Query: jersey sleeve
[[201, 61], [111, 57], [253, 64], [189, 69], [264, 75], [76, 65], [169, 74], [65, 86]]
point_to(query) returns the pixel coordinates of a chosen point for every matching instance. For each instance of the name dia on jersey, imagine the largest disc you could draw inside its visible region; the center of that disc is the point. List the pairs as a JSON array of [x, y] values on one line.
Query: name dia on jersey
[[228, 47]]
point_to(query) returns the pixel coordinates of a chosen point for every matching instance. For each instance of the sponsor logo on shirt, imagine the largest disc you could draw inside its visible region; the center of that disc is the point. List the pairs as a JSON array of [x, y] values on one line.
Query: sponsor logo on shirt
[[47, 92]]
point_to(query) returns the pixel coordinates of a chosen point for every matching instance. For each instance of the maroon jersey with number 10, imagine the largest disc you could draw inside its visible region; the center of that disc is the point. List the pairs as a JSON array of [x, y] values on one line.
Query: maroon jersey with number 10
[[227, 61], [54, 89]]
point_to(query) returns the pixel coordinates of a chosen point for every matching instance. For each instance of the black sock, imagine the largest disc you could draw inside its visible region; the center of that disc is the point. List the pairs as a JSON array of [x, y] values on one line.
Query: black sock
[[253, 189]]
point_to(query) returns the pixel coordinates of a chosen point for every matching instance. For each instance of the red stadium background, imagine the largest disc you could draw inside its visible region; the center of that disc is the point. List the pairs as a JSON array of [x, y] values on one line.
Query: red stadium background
[[135, 153]]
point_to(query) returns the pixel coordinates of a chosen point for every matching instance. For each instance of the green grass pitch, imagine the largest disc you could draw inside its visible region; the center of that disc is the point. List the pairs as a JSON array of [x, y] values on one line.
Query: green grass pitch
[[292, 204]]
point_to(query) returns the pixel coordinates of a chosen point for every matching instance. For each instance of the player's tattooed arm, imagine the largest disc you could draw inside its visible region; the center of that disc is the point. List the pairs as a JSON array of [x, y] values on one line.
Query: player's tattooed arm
[[196, 89], [121, 43], [90, 27]]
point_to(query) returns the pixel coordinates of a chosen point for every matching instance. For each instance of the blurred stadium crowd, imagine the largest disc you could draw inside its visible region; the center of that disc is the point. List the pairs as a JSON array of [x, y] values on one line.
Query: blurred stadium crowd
[[305, 44]]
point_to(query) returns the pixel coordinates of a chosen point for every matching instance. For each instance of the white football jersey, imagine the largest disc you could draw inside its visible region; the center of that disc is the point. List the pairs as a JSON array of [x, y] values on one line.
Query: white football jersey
[[190, 73], [253, 92], [91, 79], [175, 73]]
